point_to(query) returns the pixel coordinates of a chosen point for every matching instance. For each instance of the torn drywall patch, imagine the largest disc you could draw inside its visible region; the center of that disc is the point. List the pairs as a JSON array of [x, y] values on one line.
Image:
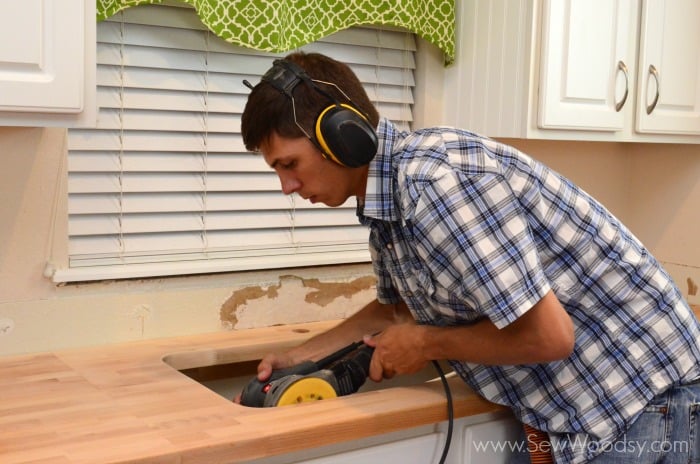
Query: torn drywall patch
[[240, 298], [296, 300], [326, 292]]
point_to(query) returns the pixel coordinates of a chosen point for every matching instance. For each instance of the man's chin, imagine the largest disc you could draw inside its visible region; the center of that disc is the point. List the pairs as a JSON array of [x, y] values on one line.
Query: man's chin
[[330, 203]]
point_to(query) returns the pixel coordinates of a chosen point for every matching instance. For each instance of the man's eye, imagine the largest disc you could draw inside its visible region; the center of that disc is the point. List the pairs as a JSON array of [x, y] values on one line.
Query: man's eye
[[289, 165]]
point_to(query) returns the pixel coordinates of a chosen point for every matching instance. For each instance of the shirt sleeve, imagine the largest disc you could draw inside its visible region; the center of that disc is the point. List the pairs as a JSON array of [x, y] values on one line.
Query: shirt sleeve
[[473, 235]]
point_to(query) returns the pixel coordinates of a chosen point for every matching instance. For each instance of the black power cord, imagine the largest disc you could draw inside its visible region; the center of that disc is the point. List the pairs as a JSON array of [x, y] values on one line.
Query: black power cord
[[363, 371], [450, 411], [352, 371]]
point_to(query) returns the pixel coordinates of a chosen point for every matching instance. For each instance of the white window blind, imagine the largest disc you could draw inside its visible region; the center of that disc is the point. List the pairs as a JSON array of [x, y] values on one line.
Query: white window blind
[[164, 186]]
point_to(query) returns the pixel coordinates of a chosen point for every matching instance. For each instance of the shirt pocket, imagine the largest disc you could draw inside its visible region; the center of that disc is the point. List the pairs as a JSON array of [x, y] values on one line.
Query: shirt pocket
[[419, 292], [424, 285]]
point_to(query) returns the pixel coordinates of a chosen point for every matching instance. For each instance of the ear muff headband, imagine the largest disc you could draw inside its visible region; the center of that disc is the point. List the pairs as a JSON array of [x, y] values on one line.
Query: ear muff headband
[[341, 131]]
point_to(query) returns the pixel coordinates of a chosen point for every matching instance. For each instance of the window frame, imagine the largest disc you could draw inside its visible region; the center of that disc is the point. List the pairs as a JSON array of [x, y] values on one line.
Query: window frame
[[174, 264]]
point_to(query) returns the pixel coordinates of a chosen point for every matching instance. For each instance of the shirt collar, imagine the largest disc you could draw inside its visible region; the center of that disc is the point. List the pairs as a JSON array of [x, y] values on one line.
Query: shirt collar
[[378, 201]]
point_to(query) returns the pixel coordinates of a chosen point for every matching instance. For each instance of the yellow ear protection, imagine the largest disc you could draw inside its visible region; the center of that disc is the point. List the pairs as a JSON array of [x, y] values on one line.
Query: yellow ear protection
[[341, 131]]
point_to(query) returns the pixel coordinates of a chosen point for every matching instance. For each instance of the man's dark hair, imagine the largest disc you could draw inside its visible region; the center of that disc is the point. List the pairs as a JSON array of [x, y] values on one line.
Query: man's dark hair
[[268, 110]]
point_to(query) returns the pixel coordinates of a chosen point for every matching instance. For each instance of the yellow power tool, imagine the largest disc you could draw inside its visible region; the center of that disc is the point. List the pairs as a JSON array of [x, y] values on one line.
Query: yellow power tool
[[339, 374]]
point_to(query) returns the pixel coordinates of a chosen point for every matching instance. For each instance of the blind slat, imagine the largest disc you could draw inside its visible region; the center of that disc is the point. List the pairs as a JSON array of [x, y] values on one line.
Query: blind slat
[[163, 222], [171, 182], [92, 161], [142, 247], [194, 80], [113, 204], [152, 141], [112, 98]]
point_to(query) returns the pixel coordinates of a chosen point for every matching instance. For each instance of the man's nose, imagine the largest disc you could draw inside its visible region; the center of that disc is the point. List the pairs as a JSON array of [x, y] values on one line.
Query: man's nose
[[289, 184]]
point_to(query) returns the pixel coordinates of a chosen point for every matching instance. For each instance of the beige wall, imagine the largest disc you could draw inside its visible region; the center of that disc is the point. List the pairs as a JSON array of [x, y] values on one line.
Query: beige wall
[[30, 183], [653, 188]]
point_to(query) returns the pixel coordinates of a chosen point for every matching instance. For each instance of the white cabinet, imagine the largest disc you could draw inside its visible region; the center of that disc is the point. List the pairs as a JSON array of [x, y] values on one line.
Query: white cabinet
[[47, 62], [586, 49], [481, 439], [568, 69], [669, 67], [422, 449]]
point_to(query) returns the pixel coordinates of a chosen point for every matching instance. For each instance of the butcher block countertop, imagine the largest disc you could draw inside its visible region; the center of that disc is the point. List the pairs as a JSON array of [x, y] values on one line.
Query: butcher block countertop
[[124, 404]]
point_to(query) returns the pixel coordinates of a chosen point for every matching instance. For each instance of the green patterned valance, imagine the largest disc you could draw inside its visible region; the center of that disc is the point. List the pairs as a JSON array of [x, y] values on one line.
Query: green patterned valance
[[283, 25]]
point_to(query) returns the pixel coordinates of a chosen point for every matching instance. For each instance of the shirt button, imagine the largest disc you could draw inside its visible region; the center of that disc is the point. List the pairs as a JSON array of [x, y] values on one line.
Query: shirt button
[[390, 246]]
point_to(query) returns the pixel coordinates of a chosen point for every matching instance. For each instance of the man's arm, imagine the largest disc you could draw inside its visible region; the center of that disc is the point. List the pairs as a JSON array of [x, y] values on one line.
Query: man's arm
[[544, 333]]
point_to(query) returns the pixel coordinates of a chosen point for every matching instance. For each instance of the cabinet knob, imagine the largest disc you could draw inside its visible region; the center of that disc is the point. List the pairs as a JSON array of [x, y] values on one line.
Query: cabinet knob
[[655, 74], [621, 66]]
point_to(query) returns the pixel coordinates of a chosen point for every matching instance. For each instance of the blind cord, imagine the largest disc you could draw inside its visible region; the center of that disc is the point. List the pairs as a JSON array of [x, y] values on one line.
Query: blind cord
[[120, 218], [205, 180], [59, 192]]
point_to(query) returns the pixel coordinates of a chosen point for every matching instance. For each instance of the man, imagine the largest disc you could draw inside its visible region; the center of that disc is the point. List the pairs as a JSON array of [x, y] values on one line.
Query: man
[[539, 297]]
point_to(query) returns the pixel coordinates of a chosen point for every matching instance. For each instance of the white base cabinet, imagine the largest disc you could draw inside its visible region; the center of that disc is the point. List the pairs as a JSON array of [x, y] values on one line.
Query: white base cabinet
[[481, 439], [569, 69]]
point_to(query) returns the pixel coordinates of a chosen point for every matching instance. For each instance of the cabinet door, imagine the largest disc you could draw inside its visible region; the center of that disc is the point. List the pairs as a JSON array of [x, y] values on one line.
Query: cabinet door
[[492, 442], [38, 71], [47, 63], [417, 450], [669, 68], [587, 46]]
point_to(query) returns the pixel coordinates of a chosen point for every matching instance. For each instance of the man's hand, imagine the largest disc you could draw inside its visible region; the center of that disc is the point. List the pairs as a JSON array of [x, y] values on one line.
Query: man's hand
[[270, 362], [397, 350], [543, 334]]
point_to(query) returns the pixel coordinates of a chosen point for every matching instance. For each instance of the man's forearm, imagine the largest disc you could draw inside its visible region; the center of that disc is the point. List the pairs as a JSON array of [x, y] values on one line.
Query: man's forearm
[[544, 333]]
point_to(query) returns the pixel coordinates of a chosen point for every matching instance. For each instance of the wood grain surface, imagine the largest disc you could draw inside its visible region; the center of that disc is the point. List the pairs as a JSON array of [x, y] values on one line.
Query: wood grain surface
[[124, 404]]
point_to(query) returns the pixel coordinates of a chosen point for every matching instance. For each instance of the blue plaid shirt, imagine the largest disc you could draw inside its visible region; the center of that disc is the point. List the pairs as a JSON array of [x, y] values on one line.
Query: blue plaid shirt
[[464, 228]]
